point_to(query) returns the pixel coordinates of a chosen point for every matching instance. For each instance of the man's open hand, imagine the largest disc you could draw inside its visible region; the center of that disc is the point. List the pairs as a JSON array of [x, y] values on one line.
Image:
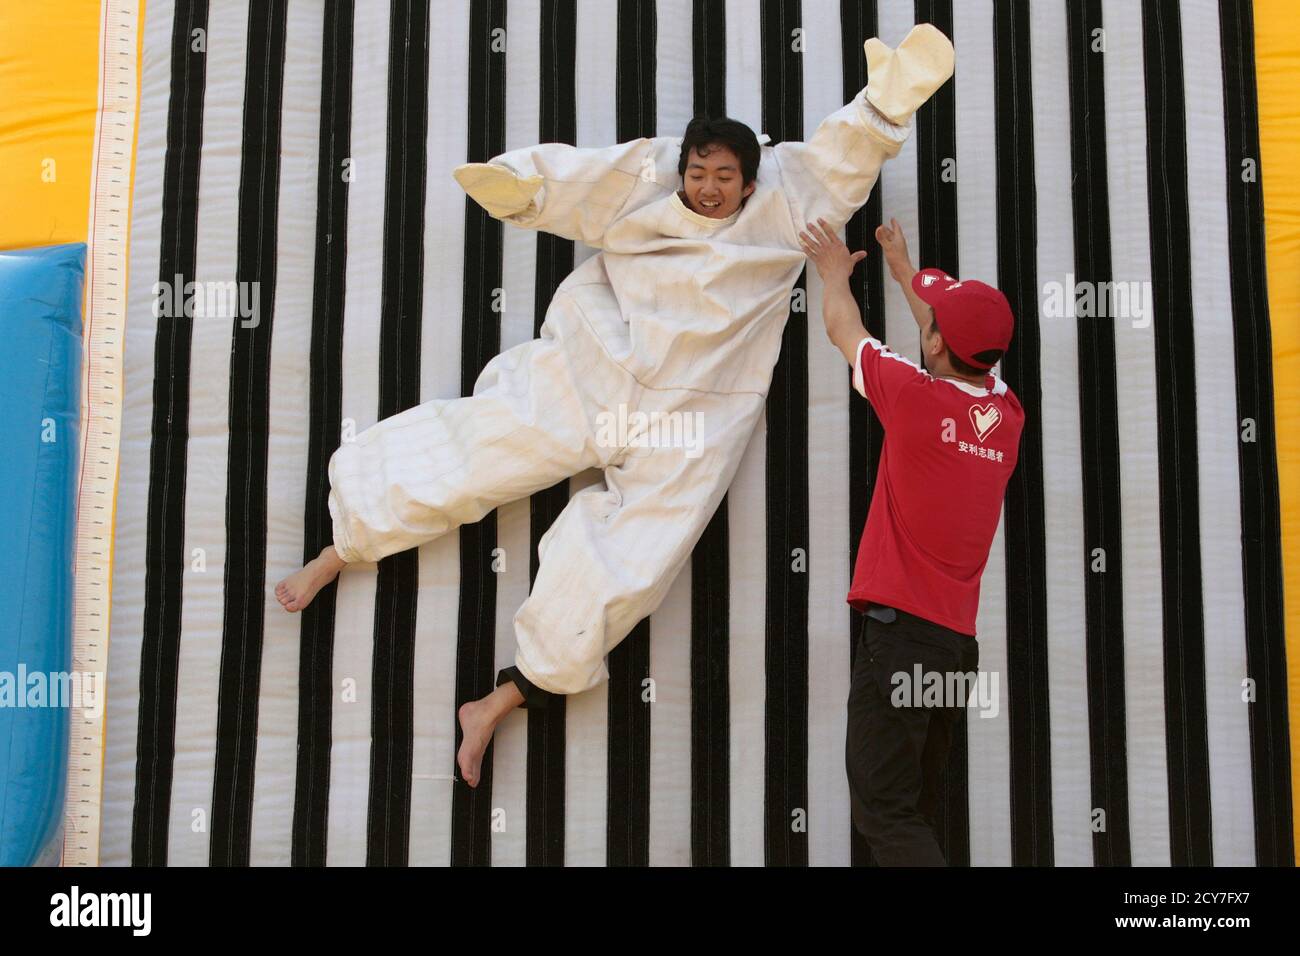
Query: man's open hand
[[828, 253], [894, 247]]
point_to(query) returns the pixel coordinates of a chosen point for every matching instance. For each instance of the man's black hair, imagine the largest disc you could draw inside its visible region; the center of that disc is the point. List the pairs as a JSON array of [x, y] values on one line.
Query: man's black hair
[[703, 132], [989, 356]]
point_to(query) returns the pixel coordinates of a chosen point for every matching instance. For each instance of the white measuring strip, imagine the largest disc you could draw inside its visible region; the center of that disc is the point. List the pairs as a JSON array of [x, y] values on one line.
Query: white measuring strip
[[103, 337]]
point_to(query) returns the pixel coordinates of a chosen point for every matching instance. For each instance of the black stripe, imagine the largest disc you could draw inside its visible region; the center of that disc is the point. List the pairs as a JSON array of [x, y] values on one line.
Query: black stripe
[[246, 470], [165, 559], [1180, 545], [710, 566], [936, 182], [544, 835], [709, 57], [628, 815], [786, 650], [1099, 441], [936, 144], [1261, 551], [392, 710], [858, 20], [471, 838], [316, 650], [1031, 769]]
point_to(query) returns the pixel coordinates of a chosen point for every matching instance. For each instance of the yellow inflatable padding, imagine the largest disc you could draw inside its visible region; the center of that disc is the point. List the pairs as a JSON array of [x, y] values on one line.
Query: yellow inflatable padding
[[49, 66]]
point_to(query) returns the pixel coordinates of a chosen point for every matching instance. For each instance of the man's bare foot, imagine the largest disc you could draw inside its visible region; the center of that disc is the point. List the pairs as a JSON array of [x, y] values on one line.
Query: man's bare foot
[[478, 722], [297, 590], [476, 727]]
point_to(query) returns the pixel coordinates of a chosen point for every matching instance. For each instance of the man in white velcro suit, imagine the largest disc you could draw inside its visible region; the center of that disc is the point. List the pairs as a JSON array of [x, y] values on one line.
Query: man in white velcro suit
[[653, 364]]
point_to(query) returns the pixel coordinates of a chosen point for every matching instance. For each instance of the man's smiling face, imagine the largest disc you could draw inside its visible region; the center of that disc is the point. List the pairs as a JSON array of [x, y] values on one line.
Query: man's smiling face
[[712, 182]]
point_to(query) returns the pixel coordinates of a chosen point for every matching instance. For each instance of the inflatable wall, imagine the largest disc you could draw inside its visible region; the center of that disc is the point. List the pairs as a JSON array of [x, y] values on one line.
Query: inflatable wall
[[1120, 170]]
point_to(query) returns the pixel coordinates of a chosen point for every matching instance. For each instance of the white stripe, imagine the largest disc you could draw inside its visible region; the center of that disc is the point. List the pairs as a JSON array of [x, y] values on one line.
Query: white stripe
[[438, 603], [674, 67], [1217, 435], [1067, 661], [670, 626], [898, 180], [828, 479], [670, 726], [1126, 145], [988, 737], [587, 715], [289, 420], [202, 607], [519, 271], [747, 524], [354, 621]]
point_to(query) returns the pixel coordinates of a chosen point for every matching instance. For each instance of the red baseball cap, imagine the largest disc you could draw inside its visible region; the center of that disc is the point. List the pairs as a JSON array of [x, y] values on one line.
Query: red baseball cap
[[973, 316]]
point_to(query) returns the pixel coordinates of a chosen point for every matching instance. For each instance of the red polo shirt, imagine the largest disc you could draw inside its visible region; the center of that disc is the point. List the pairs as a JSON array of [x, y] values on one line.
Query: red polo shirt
[[949, 450]]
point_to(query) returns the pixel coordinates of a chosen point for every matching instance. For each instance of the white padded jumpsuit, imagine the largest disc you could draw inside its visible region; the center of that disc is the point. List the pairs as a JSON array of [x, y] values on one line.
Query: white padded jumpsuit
[[653, 364]]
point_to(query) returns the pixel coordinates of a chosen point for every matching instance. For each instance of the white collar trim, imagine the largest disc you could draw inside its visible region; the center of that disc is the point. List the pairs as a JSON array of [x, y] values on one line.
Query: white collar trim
[[966, 387], [695, 217], [999, 386]]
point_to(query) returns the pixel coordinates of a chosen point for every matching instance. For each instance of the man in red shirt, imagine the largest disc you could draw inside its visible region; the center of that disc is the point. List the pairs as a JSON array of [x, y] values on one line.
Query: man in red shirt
[[952, 437]]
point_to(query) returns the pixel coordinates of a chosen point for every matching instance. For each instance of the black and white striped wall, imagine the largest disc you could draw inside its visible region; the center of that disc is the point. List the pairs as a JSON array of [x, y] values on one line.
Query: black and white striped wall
[[307, 146]]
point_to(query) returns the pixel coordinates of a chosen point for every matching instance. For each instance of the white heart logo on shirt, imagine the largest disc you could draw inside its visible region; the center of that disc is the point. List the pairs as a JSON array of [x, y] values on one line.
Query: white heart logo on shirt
[[984, 419]]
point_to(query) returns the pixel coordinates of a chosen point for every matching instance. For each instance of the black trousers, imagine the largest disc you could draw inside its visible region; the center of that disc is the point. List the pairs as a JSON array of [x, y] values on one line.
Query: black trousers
[[897, 744]]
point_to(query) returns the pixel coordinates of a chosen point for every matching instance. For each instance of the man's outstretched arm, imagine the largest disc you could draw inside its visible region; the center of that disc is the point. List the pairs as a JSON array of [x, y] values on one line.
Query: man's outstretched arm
[[894, 246], [879, 374], [571, 191], [835, 264], [831, 175]]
